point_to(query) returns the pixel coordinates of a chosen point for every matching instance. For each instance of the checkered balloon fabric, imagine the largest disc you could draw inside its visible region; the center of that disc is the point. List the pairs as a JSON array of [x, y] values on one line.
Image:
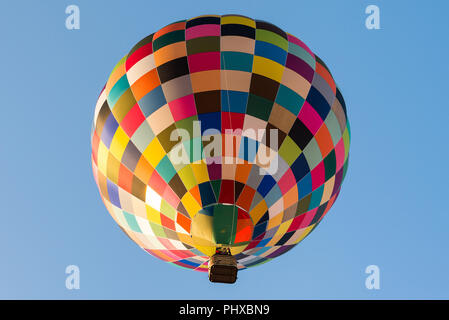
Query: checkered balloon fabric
[[219, 131]]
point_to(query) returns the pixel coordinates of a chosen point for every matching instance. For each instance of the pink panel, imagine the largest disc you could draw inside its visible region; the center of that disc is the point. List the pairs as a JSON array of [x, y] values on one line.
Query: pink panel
[[307, 218], [287, 181], [205, 30], [340, 154], [171, 197], [310, 117], [318, 176], [295, 223], [182, 108]]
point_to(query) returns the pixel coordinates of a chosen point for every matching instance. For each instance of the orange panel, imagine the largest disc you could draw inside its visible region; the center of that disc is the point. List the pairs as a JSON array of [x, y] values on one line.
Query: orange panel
[[145, 84]]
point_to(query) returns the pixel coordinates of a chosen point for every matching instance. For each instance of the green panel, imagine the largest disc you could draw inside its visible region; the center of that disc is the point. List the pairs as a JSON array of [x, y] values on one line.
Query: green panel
[[312, 153], [225, 224], [303, 205], [132, 223], [188, 125], [169, 38], [203, 44], [334, 127], [259, 107], [271, 37], [289, 99], [165, 169], [330, 165], [216, 185], [237, 61], [158, 230], [168, 210], [346, 140], [289, 150]]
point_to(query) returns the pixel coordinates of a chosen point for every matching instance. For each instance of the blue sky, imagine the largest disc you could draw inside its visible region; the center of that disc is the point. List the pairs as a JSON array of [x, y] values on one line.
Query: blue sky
[[392, 210]]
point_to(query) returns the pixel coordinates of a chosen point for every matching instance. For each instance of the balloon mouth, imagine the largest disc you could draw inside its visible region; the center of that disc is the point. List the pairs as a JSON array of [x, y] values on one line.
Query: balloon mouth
[[221, 226]]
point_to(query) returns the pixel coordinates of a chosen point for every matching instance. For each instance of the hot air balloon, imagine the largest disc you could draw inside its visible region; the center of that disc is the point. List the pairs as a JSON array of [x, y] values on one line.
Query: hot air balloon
[[219, 143]]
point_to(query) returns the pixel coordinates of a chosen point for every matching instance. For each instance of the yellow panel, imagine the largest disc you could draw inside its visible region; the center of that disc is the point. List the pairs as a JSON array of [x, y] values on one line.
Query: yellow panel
[[275, 221], [185, 238], [258, 211], [102, 157], [113, 168], [208, 251], [153, 215], [190, 204], [200, 171], [202, 231], [203, 266], [268, 68], [154, 152], [187, 177], [284, 227], [119, 143], [238, 20], [238, 249]]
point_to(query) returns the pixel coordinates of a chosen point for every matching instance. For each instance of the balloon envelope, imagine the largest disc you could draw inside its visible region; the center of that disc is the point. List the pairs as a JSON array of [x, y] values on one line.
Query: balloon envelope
[[219, 131]]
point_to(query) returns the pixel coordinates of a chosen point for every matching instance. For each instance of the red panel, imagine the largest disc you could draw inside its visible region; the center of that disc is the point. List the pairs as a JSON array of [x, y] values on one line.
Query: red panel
[[157, 183], [167, 222], [138, 55], [227, 192], [232, 120], [246, 197], [125, 178], [132, 120], [183, 221]]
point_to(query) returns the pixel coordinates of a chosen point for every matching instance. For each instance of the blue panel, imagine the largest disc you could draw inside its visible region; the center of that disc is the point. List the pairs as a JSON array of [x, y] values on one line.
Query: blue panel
[[273, 196], [152, 101], [113, 193], [207, 194], [210, 120], [300, 167], [109, 129], [270, 51], [318, 102], [305, 186], [266, 184], [234, 101], [259, 229]]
